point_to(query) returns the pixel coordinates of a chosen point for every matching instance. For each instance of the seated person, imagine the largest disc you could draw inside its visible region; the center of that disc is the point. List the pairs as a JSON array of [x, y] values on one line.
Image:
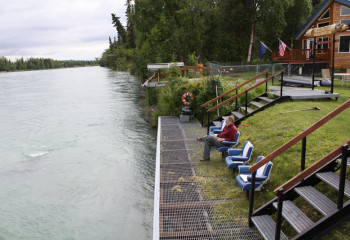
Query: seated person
[[228, 134]]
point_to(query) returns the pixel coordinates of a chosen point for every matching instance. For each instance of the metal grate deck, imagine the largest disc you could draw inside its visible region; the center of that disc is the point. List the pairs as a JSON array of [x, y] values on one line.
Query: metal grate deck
[[183, 210]]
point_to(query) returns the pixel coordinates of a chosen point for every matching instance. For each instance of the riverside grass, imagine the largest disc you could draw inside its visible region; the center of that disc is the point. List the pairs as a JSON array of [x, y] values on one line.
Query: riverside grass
[[267, 131]]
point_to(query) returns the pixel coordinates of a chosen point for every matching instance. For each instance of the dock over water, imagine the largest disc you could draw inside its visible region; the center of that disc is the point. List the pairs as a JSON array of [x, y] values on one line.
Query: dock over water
[[185, 206]]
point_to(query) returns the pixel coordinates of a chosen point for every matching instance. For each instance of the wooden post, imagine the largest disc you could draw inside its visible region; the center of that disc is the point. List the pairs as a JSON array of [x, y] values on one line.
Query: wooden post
[[251, 200], [303, 153], [279, 214], [332, 86], [313, 64], [342, 176]]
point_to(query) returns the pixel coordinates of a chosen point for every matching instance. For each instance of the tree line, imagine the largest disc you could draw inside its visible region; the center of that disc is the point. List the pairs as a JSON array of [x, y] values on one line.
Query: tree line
[[41, 63], [207, 30]]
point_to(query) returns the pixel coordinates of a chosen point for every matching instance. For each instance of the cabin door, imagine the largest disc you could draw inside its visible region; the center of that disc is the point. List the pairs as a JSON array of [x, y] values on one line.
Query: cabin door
[[309, 46]]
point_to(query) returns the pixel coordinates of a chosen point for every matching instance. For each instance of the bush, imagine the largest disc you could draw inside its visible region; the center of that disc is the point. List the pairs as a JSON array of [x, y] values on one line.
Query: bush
[[170, 96]]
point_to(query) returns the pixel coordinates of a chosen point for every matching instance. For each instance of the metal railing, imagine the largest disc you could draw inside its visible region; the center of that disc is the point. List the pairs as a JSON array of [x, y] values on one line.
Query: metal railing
[[232, 90], [305, 173], [302, 55], [246, 96]]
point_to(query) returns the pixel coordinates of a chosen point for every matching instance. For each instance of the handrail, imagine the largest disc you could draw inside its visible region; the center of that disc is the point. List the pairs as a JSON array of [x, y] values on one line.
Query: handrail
[[239, 86], [312, 169], [300, 136], [247, 90]]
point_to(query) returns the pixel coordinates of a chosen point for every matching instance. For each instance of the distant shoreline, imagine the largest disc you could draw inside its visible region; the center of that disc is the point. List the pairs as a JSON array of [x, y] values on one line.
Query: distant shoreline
[[29, 70]]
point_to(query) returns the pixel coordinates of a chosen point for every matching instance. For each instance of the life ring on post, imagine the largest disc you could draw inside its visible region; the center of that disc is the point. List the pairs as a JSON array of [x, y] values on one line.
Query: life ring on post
[[186, 98]]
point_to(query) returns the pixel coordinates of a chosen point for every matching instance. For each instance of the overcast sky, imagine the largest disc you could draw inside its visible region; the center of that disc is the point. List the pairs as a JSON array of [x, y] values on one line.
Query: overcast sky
[[57, 29]]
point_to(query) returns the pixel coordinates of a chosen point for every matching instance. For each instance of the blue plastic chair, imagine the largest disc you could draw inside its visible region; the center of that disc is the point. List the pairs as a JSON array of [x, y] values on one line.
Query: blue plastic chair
[[262, 176], [217, 129], [228, 144], [240, 156]]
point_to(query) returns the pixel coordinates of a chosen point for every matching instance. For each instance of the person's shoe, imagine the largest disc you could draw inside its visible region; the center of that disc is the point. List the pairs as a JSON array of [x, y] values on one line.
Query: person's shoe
[[204, 159], [199, 139]]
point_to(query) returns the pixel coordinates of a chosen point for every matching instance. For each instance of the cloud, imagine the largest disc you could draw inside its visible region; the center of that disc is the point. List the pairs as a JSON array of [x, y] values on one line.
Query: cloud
[[65, 29]]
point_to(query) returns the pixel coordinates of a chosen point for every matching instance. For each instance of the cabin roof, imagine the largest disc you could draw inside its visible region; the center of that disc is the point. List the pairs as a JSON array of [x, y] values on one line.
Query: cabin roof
[[317, 14]]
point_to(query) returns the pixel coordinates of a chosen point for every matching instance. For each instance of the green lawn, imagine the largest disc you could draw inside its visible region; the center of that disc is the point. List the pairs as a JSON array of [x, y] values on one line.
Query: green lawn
[[270, 129]]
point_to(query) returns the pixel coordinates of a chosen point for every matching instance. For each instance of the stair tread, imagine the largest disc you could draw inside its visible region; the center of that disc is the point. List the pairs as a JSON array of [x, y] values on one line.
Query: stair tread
[[266, 226], [332, 179], [266, 99], [319, 201], [237, 114], [257, 104], [297, 219], [249, 110]]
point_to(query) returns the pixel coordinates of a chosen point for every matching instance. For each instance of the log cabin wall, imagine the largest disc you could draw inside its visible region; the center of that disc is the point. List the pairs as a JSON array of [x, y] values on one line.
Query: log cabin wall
[[342, 59]]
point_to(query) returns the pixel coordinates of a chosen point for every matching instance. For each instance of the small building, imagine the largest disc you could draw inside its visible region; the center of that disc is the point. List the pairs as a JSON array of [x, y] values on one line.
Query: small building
[[329, 12]]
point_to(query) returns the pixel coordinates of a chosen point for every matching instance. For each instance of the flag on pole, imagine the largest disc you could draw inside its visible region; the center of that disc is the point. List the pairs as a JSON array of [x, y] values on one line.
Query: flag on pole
[[262, 50], [282, 47]]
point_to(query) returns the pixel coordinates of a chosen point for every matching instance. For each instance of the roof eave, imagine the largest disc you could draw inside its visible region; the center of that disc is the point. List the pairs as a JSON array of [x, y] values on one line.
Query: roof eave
[[311, 19]]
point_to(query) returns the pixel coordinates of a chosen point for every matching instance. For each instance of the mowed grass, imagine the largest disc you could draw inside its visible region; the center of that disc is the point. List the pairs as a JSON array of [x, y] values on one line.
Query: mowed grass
[[267, 131]]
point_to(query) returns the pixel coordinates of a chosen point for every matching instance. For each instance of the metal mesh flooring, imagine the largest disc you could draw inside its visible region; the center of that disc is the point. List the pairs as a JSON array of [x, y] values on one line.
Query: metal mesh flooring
[[185, 210]]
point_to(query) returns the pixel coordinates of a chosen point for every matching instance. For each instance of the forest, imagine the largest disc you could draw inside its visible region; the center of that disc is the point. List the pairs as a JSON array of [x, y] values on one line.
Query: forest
[[40, 64], [202, 30]]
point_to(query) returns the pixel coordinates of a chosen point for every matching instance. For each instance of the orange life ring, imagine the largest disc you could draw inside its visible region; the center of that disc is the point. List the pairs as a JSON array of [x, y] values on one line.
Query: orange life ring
[[186, 98]]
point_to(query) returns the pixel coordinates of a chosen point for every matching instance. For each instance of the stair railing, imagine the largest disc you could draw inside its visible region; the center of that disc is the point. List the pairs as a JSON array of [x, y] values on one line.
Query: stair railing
[[232, 90], [305, 173], [246, 95]]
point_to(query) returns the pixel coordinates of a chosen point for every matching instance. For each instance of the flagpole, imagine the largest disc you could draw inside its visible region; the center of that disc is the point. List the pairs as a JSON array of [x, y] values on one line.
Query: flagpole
[[266, 46]]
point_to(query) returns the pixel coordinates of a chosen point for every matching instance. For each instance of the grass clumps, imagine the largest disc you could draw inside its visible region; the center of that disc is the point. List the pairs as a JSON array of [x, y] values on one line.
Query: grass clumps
[[267, 131]]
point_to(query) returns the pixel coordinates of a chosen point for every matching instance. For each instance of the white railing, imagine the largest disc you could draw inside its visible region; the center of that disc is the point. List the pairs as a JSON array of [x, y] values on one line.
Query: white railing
[[157, 187]]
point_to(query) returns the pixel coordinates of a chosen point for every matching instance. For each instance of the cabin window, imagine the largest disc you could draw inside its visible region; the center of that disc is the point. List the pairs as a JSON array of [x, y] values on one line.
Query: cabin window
[[322, 46], [304, 44], [325, 15], [344, 44], [323, 24], [344, 11], [346, 21]]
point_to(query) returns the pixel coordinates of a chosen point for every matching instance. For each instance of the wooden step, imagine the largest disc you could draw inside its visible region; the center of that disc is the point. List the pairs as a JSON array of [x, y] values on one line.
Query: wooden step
[[266, 99], [217, 123], [249, 110], [267, 227], [257, 104], [332, 179], [297, 219], [319, 201], [237, 114]]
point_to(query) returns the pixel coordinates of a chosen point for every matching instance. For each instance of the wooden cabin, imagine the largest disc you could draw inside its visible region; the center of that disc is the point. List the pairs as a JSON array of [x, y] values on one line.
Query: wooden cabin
[[329, 12]]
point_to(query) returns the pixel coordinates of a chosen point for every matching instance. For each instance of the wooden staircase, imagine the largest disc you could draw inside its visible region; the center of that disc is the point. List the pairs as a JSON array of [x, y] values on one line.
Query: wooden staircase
[[256, 105], [312, 186], [331, 212], [249, 108]]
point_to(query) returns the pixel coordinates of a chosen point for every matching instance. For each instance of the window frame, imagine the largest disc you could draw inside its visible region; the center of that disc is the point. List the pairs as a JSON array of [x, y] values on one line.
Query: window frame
[[323, 23], [342, 7], [329, 14], [339, 43]]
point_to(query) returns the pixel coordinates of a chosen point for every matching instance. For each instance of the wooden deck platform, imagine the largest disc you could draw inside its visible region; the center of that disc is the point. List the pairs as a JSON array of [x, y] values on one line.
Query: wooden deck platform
[[302, 93]]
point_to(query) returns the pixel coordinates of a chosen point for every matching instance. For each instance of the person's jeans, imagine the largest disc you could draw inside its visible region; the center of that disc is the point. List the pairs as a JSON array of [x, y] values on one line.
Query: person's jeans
[[209, 142]]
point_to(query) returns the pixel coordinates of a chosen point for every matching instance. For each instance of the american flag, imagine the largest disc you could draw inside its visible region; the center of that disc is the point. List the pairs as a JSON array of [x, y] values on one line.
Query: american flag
[[282, 48]]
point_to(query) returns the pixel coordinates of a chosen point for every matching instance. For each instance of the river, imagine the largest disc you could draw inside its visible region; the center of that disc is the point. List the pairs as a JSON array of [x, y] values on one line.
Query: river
[[77, 159]]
